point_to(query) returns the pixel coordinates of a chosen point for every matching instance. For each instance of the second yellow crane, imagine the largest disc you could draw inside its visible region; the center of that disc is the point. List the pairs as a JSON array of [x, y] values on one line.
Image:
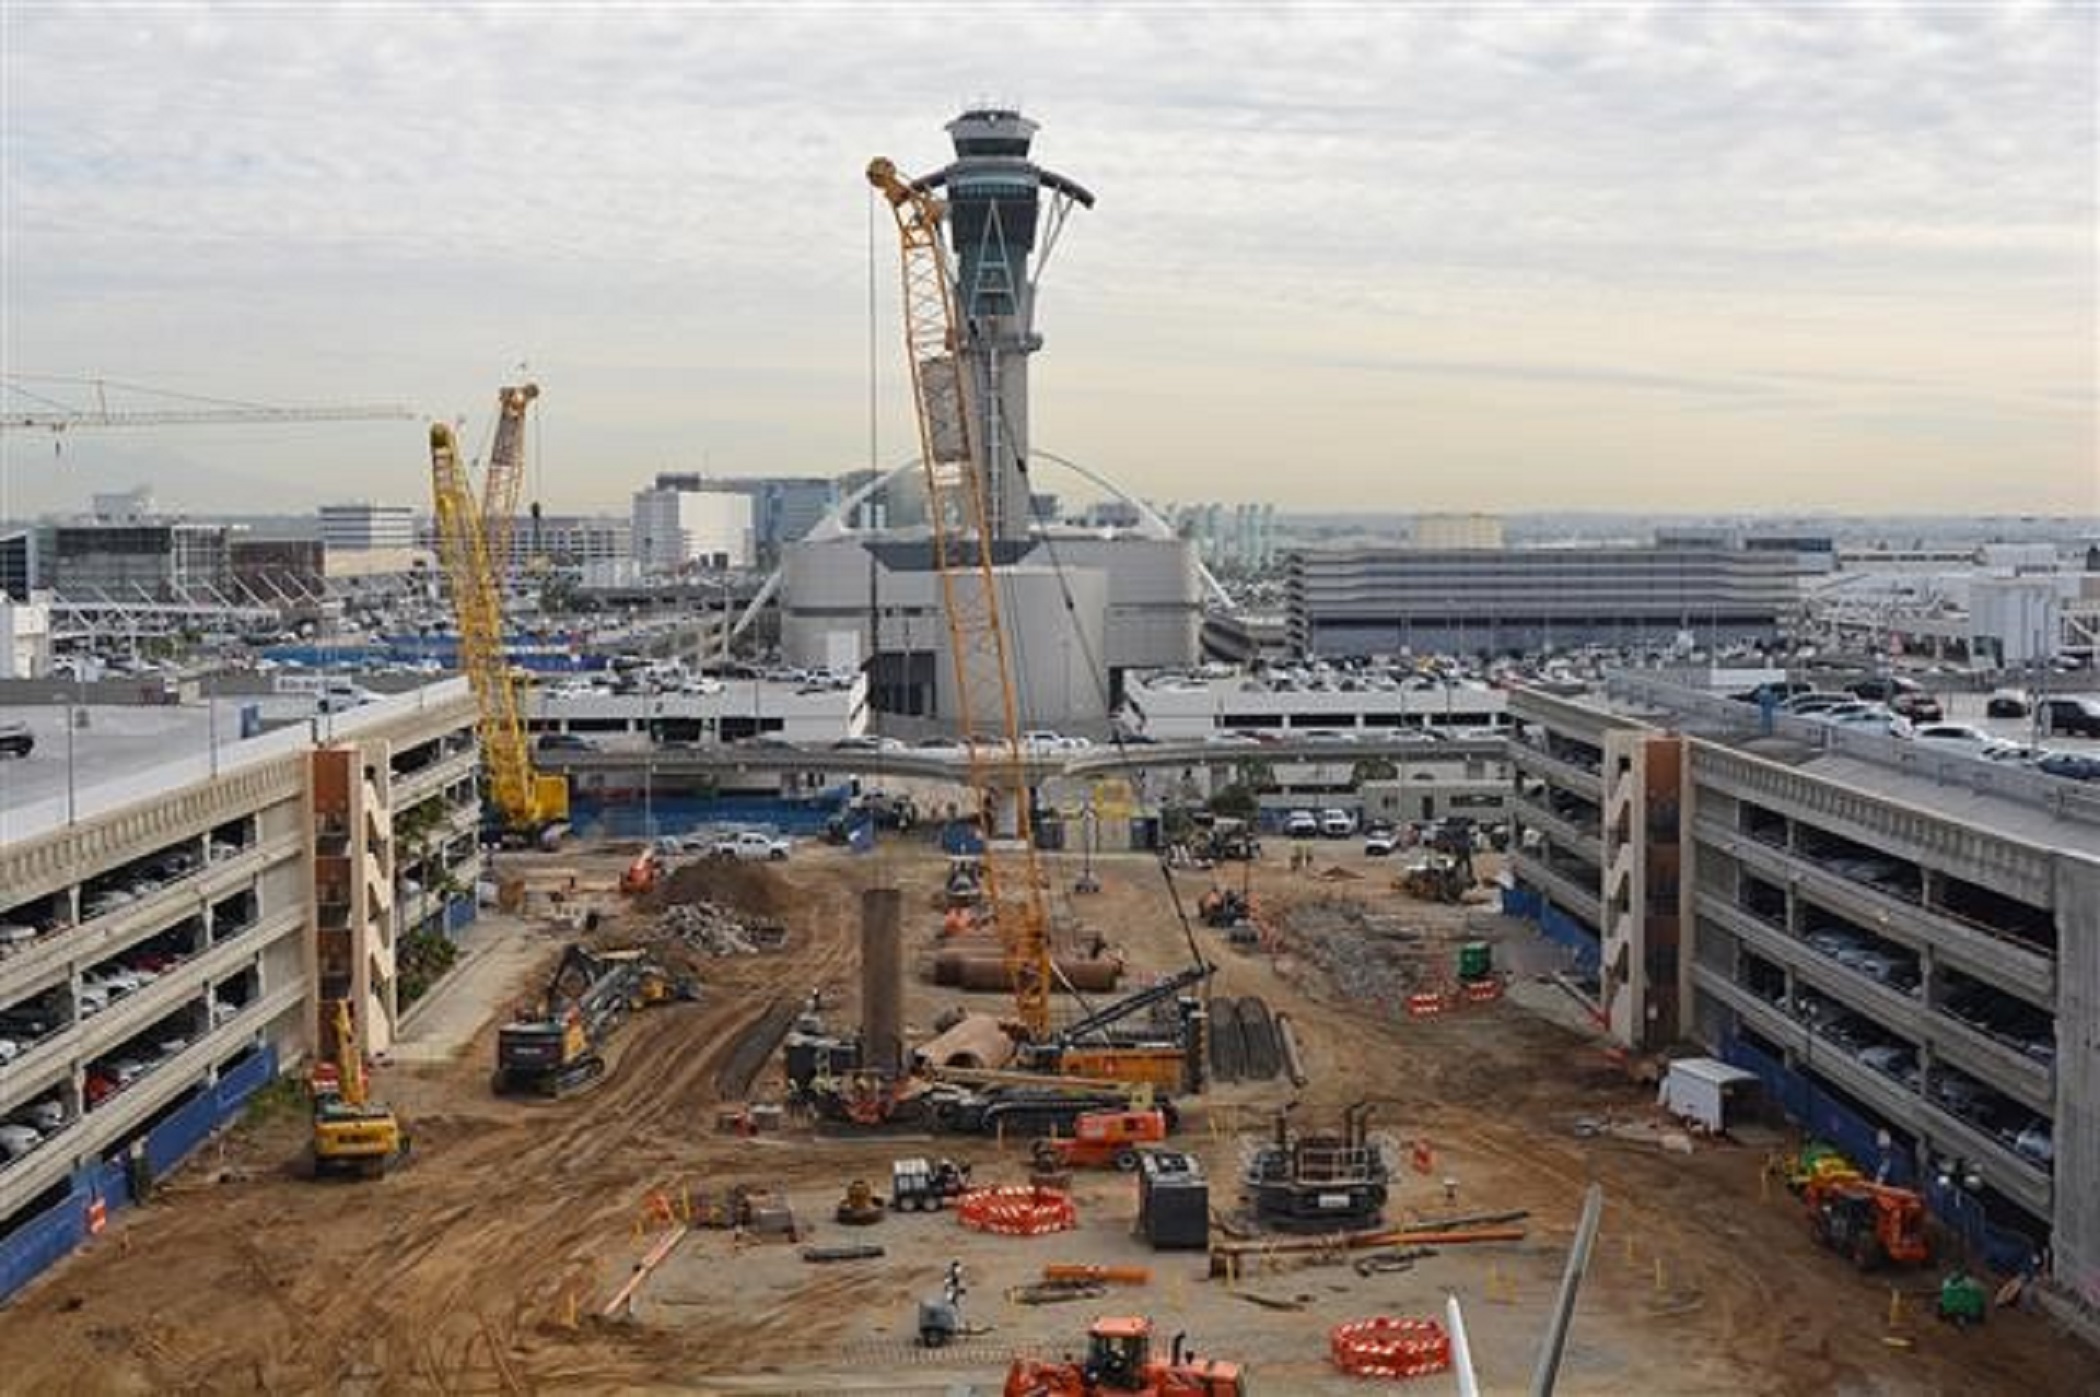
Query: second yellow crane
[[529, 802]]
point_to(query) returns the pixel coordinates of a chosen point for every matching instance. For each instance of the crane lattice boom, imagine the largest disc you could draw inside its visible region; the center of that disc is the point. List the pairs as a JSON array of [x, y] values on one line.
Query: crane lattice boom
[[526, 799], [505, 478], [988, 714]]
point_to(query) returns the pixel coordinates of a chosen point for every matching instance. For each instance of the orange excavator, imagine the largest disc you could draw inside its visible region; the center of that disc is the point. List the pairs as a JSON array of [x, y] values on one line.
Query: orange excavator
[[1869, 1222], [1119, 1361], [641, 875]]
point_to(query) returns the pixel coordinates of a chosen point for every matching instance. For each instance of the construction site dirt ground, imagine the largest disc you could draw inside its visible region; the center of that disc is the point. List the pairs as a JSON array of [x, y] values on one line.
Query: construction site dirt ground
[[484, 1264]]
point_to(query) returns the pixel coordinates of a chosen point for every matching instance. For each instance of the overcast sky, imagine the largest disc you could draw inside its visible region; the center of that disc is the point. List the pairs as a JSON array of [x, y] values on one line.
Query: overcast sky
[[1689, 257]]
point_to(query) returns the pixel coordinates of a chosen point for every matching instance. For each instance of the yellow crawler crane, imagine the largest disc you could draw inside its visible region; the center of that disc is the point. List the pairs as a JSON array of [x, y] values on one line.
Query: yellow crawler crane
[[529, 802], [988, 716]]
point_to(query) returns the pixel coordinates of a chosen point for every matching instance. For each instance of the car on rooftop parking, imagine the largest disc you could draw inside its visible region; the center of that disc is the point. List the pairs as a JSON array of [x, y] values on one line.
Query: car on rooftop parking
[[16, 740]]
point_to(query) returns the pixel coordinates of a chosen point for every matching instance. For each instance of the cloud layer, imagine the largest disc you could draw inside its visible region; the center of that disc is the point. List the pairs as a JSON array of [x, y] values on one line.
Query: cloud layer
[[1688, 256]]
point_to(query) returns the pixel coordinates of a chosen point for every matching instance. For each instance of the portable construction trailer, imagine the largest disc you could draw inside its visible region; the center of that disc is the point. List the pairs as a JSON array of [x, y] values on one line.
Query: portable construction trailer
[[1705, 1092]]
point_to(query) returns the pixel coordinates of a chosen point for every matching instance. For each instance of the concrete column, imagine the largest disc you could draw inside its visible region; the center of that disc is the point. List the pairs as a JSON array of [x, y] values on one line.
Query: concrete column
[[882, 979]]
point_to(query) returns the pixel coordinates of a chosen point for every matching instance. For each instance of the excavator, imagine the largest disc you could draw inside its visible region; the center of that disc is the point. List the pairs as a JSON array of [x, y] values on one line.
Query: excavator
[[1869, 1222], [1445, 871], [1119, 1361], [352, 1133], [560, 1046]]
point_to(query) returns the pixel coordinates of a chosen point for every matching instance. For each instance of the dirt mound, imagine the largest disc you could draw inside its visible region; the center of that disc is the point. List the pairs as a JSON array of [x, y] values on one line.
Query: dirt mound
[[752, 888]]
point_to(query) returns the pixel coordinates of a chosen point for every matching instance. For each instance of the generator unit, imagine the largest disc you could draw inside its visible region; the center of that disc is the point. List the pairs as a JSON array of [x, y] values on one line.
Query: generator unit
[[1173, 1201]]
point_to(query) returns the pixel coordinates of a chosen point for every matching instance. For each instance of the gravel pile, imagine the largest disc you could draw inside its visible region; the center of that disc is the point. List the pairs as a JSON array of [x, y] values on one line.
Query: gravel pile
[[711, 929]]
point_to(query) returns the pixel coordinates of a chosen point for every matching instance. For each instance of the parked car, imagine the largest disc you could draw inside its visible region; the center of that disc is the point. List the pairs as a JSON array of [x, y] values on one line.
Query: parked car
[[1326, 735], [2007, 703], [46, 1115], [1883, 688], [2071, 766], [2037, 1142], [1873, 718], [1336, 823], [16, 740], [107, 901], [752, 846], [1917, 708], [1889, 1059], [868, 742], [2015, 754], [14, 937], [1958, 736], [1301, 824], [1381, 840], [112, 980], [1957, 1094], [18, 1140], [2071, 716], [564, 742]]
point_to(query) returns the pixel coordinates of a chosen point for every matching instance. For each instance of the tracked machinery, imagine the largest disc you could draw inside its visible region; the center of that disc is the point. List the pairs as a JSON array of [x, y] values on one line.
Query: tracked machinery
[[559, 1047], [1871, 1223], [1119, 1360], [352, 1134], [531, 806], [1008, 883]]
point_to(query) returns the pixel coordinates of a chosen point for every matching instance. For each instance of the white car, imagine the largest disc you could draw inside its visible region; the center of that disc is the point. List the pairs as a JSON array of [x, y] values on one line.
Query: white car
[[18, 1140], [116, 980], [1381, 840], [47, 1115], [1956, 736], [751, 845], [1337, 823], [1226, 737], [1301, 824], [1330, 735]]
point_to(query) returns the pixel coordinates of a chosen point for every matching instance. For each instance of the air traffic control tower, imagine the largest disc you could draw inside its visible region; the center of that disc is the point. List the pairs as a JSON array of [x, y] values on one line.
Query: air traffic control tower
[[999, 220]]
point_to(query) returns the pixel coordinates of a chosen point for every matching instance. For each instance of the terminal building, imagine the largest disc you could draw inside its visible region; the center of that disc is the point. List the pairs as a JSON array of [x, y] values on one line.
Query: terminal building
[[1388, 599], [1903, 944], [178, 892]]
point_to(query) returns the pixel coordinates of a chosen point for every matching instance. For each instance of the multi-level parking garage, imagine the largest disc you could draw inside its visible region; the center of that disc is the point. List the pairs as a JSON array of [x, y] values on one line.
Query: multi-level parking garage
[[158, 929], [1903, 943]]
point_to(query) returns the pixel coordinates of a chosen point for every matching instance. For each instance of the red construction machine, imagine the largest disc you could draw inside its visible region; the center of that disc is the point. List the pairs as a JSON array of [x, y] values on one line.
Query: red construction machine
[[1119, 1361]]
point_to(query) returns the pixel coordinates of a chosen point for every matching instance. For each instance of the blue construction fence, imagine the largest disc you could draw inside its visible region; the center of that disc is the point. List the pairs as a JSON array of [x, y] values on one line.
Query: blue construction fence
[[49, 1237], [1527, 904], [631, 818], [1820, 1115]]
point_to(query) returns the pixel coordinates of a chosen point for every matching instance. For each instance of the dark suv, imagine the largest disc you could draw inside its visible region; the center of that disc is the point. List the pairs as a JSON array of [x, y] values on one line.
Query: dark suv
[[16, 740], [2071, 717], [1884, 688]]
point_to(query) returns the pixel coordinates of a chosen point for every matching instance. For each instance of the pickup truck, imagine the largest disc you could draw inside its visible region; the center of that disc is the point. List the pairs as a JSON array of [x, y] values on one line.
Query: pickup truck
[[751, 844]]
